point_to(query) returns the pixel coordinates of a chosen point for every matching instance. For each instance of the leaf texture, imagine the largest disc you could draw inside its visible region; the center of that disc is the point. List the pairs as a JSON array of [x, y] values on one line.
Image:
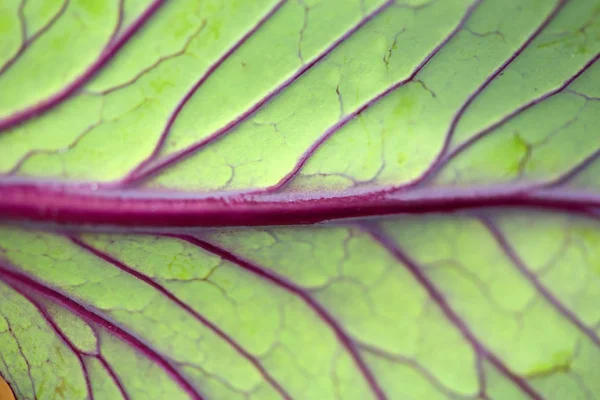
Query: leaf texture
[[300, 199]]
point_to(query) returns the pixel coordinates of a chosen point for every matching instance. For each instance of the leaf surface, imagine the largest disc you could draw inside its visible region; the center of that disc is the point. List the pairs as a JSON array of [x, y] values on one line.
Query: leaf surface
[[300, 199]]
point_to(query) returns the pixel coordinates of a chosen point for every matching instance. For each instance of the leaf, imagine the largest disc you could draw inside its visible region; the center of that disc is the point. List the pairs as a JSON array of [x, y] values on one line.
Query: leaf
[[300, 199]]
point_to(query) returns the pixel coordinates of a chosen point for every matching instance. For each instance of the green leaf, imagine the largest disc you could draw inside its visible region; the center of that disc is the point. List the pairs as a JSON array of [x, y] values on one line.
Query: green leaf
[[300, 199]]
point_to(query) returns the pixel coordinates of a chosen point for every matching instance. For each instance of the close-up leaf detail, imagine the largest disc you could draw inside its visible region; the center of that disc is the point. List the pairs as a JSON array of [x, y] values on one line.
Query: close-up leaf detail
[[300, 199]]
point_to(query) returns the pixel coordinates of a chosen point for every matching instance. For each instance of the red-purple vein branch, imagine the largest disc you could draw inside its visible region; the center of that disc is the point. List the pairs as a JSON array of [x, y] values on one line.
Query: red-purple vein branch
[[426, 374], [441, 157], [146, 170], [113, 375], [78, 353], [29, 41], [573, 172], [445, 159], [107, 367], [23, 284], [135, 175], [59, 332], [25, 360], [204, 321], [298, 291], [394, 249], [533, 279], [104, 58], [152, 66], [349, 117], [119, 24]]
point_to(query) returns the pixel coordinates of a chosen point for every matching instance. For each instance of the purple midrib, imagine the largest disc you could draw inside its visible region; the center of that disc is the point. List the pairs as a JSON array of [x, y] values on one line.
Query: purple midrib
[[36, 203]]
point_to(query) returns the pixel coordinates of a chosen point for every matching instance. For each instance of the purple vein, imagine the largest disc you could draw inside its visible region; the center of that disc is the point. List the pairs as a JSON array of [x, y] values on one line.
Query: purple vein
[[533, 279], [411, 363], [59, 332], [483, 389], [168, 294], [108, 368], [109, 52], [31, 153], [298, 291], [573, 172], [22, 22], [113, 375], [12, 333], [145, 170], [22, 283], [441, 158], [349, 117], [441, 162], [119, 24], [133, 175], [412, 267], [156, 63], [28, 41]]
